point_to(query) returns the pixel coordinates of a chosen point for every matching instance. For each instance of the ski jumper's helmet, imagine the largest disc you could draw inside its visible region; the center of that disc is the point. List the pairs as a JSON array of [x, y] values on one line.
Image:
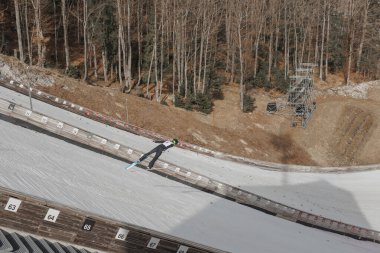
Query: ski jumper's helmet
[[175, 141]]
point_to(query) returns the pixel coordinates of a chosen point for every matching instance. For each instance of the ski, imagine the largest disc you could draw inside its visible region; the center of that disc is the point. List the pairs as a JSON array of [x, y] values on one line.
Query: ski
[[132, 164]]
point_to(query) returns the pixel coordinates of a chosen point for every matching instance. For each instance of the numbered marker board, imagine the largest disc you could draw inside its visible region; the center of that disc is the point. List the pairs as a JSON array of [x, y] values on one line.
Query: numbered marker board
[[44, 119], [52, 215], [88, 225], [153, 243], [182, 249], [122, 234], [11, 106], [12, 205]]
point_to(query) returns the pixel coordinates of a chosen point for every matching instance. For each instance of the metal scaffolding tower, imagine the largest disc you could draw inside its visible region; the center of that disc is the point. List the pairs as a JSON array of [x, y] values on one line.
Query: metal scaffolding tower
[[299, 102]]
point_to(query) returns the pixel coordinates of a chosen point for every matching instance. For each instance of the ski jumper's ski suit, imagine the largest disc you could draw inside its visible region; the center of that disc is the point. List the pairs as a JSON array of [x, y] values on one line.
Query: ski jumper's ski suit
[[158, 150]]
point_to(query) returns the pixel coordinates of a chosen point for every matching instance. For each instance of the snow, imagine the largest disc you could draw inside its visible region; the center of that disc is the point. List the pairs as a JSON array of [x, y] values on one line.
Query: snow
[[47, 167], [359, 91]]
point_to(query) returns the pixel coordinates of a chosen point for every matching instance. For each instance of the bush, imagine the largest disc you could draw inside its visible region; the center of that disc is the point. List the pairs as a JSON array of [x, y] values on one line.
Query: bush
[[203, 103], [215, 85], [73, 71], [178, 101], [248, 103], [278, 80], [189, 100]]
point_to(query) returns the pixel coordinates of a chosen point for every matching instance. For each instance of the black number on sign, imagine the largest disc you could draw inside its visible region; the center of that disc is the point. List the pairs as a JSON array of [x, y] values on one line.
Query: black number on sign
[[121, 236], [152, 244], [11, 106], [88, 225], [12, 207], [51, 217]]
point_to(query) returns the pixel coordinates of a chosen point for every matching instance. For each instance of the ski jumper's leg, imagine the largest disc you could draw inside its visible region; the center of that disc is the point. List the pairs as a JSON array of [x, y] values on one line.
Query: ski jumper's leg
[[158, 153], [147, 154]]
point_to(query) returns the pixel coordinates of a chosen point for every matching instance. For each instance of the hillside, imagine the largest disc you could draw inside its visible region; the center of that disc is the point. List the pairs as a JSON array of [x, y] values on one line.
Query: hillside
[[343, 130]]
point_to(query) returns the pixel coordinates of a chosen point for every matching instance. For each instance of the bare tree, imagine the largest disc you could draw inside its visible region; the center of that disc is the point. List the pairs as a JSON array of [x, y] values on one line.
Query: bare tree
[[65, 25], [327, 40], [39, 37], [85, 38], [322, 40], [29, 44], [18, 27], [364, 31]]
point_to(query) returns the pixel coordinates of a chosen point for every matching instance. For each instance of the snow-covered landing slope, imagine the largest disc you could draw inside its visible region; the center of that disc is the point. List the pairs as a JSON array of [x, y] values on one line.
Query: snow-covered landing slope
[[38, 164], [349, 197]]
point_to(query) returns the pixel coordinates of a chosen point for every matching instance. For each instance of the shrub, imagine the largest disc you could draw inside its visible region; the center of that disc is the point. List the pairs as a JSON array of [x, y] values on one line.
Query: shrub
[[189, 100], [248, 103], [203, 103], [73, 71], [178, 101], [215, 85]]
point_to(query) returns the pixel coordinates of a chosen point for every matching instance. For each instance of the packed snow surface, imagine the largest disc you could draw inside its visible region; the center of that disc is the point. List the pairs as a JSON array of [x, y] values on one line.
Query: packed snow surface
[[47, 167]]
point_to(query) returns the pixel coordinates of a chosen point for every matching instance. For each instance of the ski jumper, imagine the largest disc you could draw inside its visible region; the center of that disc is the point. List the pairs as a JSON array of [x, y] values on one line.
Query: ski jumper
[[158, 150]]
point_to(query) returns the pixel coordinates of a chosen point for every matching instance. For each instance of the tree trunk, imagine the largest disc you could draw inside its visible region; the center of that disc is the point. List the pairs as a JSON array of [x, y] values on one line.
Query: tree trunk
[[139, 44], [195, 58], [364, 30], [155, 51], [161, 52], [121, 46], [327, 40], [129, 66], [200, 67], [150, 70], [174, 56], [316, 39], [257, 45], [286, 42], [85, 23], [242, 87], [78, 21], [322, 41], [95, 62], [30, 52], [205, 62], [270, 53], [41, 48], [277, 38], [66, 42], [18, 26], [228, 36], [350, 57], [104, 60], [55, 34], [119, 61]]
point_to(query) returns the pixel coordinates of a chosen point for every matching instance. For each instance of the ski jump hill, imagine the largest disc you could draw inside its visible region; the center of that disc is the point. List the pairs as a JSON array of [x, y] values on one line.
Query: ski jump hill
[[63, 178]]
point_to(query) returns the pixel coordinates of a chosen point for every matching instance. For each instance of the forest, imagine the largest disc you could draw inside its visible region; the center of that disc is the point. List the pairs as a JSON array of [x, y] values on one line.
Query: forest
[[190, 48]]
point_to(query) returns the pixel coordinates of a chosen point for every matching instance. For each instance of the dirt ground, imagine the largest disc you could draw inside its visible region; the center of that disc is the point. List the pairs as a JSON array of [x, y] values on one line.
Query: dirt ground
[[342, 130]]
